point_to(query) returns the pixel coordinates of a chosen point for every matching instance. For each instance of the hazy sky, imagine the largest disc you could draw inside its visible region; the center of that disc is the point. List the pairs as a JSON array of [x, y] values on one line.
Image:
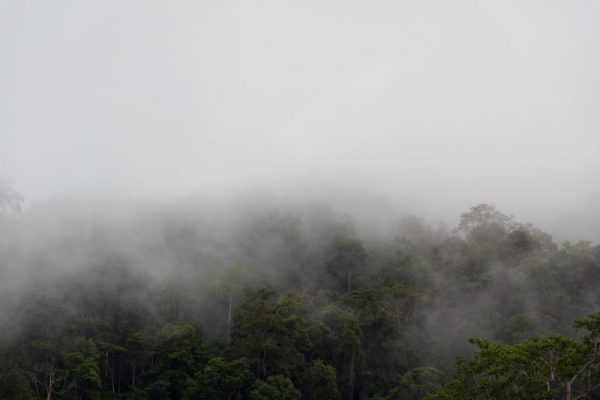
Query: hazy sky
[[435, 104]]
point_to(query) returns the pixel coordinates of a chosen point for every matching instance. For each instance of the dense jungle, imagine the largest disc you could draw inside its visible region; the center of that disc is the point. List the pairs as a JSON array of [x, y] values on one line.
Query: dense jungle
[[291, 301]]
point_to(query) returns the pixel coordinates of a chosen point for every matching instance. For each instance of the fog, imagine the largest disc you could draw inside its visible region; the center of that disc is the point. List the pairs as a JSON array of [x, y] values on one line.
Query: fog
[[216, 199], [424, 107]]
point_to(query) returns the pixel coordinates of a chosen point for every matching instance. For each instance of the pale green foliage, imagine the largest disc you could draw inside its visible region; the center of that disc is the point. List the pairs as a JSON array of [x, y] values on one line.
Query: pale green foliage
[[542, 367], [82, 365]]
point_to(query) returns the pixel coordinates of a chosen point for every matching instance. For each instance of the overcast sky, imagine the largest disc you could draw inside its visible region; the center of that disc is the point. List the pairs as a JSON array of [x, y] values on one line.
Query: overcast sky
[[439, 105]]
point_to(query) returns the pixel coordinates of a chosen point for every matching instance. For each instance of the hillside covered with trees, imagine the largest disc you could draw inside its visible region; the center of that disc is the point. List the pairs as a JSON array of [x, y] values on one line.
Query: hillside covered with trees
[[292, 302]]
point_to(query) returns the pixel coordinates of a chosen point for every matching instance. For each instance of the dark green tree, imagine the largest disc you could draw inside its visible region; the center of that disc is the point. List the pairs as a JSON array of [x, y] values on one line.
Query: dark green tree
[[271, 331], [180, 353], [275, 387], [347, 258], [320, 382], [221, 380], [82, 367], [542, 367]]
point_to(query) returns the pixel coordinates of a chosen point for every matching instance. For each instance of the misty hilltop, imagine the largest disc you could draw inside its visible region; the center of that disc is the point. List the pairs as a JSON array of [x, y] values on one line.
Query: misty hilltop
[[299, 200], [264, 298], [423, 101]]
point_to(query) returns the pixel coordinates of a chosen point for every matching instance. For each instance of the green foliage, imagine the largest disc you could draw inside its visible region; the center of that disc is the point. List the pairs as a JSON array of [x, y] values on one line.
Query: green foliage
[[272, 333], [320, 382], [275, 387], [221, 379], [416, 384], [14, 380], [82, 366], [591, 324], [348, 256], [543, 367], [179, 354], [306, 311]]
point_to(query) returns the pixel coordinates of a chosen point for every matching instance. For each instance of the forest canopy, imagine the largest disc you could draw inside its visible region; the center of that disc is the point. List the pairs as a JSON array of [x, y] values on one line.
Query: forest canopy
[[291, 301]]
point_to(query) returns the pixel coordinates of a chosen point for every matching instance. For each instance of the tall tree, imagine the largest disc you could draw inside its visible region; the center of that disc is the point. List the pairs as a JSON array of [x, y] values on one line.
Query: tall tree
[[275, 387], [542, 367], [320, 382], [347, 257], [271, 331]]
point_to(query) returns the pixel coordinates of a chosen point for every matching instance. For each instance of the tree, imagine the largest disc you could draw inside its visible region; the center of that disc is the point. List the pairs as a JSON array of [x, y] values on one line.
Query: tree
[[348, 255], [15, 383], [82, 367], [349, 354], [221, 380], [535, 369], [231, 282], [416, 384], [320, 382], [542, 367], [271, 331], [484, 214], [275, 387], [180, 353], [48, 374]]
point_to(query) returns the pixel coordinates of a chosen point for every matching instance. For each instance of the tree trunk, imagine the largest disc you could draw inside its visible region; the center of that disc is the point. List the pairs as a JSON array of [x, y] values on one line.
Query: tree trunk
[[36, 383], [112, 374], [133, 373], [351, 377], [174, 307], [349, 282], [107, 362], [50, 381], [263, 366], [119, 376], [229, 320]]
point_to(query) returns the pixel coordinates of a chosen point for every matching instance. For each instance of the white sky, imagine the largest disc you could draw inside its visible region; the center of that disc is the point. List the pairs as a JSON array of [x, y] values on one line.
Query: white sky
[[435, 104]]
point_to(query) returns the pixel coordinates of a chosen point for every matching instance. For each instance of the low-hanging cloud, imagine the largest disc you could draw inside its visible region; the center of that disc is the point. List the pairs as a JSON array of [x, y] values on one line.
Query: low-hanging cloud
[[435, 107]]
